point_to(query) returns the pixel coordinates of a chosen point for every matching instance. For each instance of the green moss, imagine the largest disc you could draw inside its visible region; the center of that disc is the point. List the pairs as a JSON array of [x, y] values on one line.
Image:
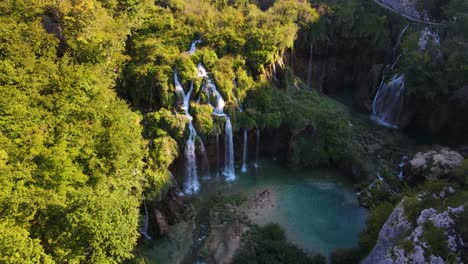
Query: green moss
[[406, 245], [412, 208], [164, 122], [266, 245], [461, 173], [436, 239], [203, 119], [377, 218]]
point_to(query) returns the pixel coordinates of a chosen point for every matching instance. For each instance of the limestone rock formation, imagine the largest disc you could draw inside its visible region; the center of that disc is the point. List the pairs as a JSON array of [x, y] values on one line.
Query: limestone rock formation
[[433, 164]]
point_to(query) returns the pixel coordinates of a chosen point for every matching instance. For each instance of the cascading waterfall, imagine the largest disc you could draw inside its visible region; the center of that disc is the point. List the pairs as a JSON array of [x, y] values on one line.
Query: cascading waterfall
[[218, 110], [191, 184], [244, 153], [144, 232], [193, 47], [228, 152], [402, 164], [400, 38], [256, 164], [388, 102]]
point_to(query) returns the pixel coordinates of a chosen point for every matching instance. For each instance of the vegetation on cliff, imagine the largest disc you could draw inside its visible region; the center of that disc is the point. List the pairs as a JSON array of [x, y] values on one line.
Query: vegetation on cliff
[[90, 122]]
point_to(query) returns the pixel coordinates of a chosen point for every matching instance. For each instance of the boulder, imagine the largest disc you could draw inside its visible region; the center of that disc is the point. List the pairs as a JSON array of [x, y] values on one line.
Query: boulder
[[432, 164]]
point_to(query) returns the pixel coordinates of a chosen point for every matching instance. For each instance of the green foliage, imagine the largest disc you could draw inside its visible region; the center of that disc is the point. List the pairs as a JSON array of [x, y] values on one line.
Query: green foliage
[[17, 246], [439, 69], [239, 41], [72, 154], [268, 244], [359, 22], [437, 240], [164, 152], [203, 119], [412, 207], [377, 218], [165, 123], [461, 173], [319, 126], [407, 245]]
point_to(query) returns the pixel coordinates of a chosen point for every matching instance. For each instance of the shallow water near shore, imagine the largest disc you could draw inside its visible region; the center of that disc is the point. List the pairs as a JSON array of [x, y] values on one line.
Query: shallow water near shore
[[318, 209]]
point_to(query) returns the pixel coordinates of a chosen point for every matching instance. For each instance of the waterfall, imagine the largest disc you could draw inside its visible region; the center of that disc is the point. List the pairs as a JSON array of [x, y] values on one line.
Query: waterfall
[[191, 181], [244, 153], [228, 151], [256, 164], [144, 232], [402, 164], [218, 110], [388, 102], [426, 36], [400, 37], [193, 47], [174, 181], [205, 163]]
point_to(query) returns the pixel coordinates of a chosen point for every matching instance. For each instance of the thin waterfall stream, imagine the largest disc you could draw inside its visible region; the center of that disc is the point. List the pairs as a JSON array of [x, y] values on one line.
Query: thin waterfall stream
[[244, 153]]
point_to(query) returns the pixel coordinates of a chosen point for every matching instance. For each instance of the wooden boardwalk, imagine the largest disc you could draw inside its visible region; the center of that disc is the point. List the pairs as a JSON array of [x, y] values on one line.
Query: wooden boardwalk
[[406, 9]]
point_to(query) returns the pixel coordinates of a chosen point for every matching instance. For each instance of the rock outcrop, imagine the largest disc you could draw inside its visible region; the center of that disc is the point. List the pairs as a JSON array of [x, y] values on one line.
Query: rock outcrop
[[169, 211], [401, 241], [392, 231], [432, 164]]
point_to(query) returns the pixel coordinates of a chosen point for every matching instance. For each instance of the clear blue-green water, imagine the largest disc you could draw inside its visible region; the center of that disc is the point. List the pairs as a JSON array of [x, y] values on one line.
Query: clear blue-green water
[[317, 208]]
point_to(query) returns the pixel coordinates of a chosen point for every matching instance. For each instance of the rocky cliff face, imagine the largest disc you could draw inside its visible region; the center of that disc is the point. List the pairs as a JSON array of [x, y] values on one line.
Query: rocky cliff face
[[431, 239], [343, 65], [171, 210]]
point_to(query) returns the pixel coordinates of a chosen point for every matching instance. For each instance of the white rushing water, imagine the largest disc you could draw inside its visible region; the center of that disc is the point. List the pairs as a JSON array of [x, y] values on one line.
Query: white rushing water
[[144, 232], [426, 36], [388, 102], [191, 184], [218, 110], [402, 164], [193, 47], [228, 171], [244, 153]]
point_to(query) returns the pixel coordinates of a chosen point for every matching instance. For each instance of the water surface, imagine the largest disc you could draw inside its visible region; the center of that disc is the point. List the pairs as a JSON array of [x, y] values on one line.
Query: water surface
[[318, 209]]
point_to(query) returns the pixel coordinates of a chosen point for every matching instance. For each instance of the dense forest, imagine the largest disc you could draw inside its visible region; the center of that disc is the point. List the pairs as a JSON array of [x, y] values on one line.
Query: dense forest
[[92, 122]]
